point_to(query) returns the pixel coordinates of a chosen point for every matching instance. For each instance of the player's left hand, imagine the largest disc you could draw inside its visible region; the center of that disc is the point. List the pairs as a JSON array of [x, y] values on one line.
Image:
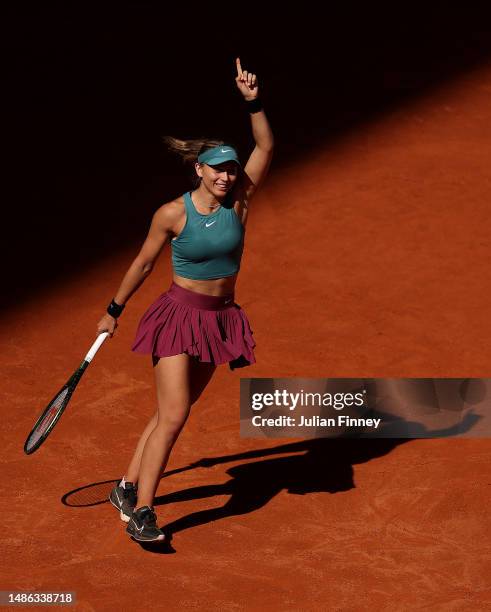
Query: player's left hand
[[246, 82]]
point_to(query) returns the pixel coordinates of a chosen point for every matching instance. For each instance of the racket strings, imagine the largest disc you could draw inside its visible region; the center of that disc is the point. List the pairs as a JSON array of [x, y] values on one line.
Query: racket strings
[[52, 412], [55, 408]]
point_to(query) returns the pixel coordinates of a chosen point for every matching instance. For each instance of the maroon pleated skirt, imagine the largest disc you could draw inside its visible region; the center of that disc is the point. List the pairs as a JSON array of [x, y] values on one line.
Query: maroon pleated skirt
[[210, 328]]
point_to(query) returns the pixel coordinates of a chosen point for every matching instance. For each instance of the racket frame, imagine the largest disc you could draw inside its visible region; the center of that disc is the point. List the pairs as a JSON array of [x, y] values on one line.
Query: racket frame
[[71, 385]]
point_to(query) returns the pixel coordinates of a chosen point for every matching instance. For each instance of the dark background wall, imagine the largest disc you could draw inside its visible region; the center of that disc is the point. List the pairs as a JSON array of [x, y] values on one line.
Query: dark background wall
[[89, 91]]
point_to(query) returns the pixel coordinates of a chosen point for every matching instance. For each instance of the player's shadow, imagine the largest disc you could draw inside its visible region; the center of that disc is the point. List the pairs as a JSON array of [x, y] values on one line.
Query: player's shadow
[[313, 465], [319, 465]]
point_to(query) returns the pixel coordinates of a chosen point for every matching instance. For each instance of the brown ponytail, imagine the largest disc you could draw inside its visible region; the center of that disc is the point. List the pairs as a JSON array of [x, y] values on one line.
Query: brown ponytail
[[189, 150]]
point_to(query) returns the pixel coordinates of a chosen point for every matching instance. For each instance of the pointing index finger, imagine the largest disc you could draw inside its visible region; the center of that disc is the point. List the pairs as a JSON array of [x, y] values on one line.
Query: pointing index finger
[[239, 68]]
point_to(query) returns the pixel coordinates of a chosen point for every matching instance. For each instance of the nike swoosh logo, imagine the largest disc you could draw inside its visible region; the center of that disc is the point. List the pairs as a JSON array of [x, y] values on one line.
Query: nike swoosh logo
[[139, 529], [227, 301], [208, 224], [226, 150]]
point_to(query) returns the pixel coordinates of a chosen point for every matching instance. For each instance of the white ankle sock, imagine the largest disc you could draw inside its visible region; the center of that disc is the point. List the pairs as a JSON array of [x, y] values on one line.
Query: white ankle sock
[[122, 483]]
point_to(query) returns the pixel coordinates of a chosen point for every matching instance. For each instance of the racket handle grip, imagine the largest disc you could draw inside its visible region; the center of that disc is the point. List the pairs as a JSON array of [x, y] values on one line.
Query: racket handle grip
[[96, 346]]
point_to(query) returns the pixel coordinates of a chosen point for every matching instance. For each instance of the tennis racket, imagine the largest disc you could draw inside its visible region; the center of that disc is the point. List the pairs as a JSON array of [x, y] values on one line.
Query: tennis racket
[[48, 419]]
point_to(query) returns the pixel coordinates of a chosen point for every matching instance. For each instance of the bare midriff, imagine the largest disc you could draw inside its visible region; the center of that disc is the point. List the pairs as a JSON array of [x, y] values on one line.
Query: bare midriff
[[213, 286]]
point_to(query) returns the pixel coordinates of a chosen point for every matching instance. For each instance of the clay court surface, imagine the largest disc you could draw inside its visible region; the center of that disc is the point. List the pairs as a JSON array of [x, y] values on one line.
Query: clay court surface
[[370, 258]]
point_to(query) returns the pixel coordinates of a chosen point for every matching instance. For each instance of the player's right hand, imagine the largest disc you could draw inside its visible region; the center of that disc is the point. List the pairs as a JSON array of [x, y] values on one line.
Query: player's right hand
[[107, 323]]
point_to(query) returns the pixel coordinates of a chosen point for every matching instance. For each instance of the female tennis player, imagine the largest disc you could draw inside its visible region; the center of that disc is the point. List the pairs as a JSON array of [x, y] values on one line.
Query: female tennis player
[[196, 324]]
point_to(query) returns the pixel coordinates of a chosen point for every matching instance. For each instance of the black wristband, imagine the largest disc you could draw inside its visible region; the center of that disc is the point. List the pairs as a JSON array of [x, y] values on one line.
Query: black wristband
[[254, 106], [114, 309]]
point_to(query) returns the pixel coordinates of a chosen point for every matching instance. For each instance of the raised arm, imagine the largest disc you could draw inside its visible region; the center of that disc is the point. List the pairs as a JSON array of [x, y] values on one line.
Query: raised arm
[[257, 165], [160, 232]]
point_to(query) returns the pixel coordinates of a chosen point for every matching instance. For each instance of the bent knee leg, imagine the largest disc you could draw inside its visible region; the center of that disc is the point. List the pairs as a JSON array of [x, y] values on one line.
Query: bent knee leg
[[171, 419]]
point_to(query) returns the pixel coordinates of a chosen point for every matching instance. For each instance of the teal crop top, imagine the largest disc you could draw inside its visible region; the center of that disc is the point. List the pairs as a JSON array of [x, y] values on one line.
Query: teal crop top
[[209, 246]]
